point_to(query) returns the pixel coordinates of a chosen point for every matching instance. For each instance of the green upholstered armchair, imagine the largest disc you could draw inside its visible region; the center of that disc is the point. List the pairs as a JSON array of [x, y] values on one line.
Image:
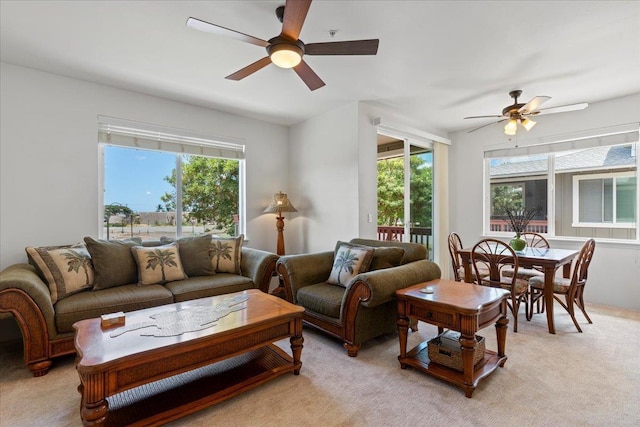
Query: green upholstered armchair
[[366, 307]]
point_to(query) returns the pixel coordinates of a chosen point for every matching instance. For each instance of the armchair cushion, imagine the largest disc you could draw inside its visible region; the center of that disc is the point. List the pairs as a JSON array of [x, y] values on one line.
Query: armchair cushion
[[322, 298], [349, 261]]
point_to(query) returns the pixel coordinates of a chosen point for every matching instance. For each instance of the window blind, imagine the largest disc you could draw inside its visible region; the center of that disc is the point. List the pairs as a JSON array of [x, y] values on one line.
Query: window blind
[[150, 137], [616, 135]]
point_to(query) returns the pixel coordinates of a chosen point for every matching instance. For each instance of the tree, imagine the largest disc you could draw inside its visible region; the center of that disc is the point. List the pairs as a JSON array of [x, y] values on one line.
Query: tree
[[209, 190], [115, 209], [504, 198], [391, 191]]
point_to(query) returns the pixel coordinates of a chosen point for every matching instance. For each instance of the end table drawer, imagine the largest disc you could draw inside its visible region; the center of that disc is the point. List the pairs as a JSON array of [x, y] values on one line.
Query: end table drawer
[[442, 318]]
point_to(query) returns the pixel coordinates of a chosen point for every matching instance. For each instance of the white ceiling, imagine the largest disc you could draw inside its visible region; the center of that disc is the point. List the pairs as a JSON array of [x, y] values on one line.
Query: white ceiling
[[438, 61]]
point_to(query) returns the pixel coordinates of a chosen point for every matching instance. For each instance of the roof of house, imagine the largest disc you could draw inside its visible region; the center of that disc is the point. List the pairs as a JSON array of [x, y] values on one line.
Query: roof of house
[[599, 158]]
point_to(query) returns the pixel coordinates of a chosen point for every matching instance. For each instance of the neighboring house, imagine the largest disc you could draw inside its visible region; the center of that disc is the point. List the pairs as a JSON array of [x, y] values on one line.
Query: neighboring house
[[595, 190]]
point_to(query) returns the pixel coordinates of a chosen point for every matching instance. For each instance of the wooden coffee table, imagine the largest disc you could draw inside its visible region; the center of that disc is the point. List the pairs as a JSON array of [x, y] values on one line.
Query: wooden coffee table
[[458, 306], [133, 379]]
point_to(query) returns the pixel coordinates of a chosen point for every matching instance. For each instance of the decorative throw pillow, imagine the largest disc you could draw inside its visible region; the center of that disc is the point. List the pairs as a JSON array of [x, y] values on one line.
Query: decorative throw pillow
[[383, 256], [66, 269], [349, 261], [194, 254], [386, 257], [113, 262], [226, 254], [158, 264]]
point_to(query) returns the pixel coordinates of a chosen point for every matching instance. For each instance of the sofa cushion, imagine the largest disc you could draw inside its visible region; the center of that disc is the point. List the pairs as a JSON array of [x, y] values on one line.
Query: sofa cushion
[[88, 304], [321, 298], [65, 269], [207, 286], [194, 254], [226, 254], [113, 262], [349, 261], [159, 264], [383, 257]]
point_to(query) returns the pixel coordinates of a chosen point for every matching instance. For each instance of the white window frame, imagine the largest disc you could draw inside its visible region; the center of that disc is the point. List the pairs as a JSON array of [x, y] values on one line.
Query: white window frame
[[130, 134], [614, 135], [576, 200]]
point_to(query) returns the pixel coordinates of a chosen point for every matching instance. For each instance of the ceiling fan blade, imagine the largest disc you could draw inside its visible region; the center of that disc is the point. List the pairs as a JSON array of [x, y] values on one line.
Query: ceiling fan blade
[[249, 69], [533, 104], [295, 12], [222, 31], [353, 47], [561, 109], [483, 117], [308, 76], [484, 126]]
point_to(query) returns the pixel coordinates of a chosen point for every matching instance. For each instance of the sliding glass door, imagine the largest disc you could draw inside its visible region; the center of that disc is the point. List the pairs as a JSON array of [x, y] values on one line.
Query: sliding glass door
[[405, 191]]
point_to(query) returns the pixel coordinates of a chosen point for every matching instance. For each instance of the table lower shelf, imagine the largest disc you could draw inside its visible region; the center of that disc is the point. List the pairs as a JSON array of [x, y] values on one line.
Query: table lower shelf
[[418, 358], [165, 400]]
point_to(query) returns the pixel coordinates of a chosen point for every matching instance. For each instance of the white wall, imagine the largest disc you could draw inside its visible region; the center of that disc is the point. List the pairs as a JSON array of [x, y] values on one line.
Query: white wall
[[49, 156], [614, 274], [324, 181]]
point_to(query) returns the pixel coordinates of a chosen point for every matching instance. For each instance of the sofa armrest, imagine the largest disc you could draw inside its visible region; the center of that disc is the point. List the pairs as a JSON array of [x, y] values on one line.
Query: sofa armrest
[[298, 271], [27, 297], [259, 266], [384, 283], [25, 278]]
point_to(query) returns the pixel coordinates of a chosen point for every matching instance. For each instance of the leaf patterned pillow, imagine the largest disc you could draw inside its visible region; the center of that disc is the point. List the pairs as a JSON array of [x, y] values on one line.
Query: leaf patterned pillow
[[348, 262], [66, 269], [158, 264], [226, 254]]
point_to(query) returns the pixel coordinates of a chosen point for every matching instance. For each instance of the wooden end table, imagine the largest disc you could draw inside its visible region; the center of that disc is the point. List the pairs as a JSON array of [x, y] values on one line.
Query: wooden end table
[[136, 379], [461, 307]]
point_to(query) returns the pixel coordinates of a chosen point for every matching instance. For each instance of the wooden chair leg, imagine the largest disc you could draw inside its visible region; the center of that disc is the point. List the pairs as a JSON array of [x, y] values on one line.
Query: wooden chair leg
[[570, 308], [581, 305]]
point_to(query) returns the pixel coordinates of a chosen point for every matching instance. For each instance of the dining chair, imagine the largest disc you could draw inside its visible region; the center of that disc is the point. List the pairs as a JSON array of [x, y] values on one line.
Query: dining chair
[[455, 244], [572, 288], [493, 256], [534, 240]]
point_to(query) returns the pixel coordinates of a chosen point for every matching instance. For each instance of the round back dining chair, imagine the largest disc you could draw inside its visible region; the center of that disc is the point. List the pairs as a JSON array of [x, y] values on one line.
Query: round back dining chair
[[455, 244], [494, 256], [572, 289]]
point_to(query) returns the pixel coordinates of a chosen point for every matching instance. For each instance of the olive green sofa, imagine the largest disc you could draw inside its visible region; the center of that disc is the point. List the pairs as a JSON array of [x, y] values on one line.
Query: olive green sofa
[[366, 307], [46, 324]]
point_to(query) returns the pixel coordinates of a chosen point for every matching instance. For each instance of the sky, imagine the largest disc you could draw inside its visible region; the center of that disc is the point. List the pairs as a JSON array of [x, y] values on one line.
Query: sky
[[135, 178]]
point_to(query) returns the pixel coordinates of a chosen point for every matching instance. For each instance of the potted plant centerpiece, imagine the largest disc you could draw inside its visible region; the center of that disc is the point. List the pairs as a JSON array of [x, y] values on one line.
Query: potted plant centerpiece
[[519, 219]]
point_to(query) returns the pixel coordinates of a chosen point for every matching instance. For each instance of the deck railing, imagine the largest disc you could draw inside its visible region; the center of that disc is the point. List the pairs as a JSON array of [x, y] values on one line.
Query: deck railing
[[535, 226], [421, 235]]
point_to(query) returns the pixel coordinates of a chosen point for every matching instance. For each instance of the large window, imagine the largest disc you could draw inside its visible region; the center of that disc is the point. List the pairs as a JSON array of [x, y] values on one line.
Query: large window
[[580, 188], [153, 189]]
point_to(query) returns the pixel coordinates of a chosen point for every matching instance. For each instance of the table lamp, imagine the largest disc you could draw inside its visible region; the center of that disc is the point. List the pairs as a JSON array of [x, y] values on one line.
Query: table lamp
[[280, 204]]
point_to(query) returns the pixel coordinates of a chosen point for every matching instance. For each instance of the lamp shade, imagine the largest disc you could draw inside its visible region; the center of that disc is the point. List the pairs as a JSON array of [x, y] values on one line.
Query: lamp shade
[[280, 204]]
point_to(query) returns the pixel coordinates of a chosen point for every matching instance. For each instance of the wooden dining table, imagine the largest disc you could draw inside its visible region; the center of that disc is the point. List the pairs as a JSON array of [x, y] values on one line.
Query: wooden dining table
[[547, 259]]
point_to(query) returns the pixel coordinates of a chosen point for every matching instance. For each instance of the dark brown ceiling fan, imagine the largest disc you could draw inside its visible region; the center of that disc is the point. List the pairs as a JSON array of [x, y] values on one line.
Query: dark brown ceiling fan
[[286, 50], [520, 113]]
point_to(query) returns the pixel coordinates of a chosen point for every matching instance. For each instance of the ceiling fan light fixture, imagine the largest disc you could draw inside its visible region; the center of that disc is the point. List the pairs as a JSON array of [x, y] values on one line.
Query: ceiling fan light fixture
[[285, 55], [511, 127], [527, 124]]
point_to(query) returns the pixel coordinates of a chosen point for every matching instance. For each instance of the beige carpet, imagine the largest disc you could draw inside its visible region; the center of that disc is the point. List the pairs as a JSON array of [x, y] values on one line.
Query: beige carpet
[[567, 379]]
